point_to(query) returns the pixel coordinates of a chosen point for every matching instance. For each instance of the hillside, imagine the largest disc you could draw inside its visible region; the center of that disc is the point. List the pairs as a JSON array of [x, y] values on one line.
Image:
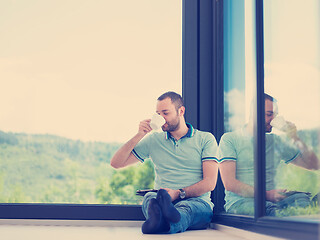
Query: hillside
[[52, 169]]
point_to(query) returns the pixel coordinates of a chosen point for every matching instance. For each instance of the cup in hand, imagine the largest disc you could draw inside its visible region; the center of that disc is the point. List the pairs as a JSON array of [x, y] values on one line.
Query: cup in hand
[[157, 121], [279, 123]]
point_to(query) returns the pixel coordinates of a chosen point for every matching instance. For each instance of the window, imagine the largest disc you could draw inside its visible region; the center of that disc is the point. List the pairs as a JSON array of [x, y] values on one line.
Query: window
[[291, 69], [237, 28], [267, 49], [237, 144], [292, 73], [77, 78]]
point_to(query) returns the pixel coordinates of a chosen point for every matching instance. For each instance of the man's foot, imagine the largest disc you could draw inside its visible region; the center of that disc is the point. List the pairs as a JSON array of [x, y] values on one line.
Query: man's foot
[[155, 222], [315, 199], [168, 210]]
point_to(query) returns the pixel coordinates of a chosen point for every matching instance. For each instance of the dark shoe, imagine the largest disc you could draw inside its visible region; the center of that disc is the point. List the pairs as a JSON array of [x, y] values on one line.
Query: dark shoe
[[169, 212], [315, 199], [155, 222]]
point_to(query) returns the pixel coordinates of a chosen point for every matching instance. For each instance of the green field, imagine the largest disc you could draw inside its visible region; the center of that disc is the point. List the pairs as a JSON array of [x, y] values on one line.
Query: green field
[[52, 169]]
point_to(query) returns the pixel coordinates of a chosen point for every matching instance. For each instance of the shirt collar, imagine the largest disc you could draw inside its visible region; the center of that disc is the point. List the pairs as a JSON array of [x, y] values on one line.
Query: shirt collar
[[189, 134]]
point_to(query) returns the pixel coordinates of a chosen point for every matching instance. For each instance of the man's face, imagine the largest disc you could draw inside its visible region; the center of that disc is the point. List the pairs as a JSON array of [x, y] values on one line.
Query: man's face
[[270, 114], [168, 111]]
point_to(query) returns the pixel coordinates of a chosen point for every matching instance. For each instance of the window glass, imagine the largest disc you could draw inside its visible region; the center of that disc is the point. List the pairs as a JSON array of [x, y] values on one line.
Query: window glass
[[292, 73], [77, 77], [236, 145]]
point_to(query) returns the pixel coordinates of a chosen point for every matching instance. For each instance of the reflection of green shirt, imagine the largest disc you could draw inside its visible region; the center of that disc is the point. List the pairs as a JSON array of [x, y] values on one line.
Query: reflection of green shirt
[[178, 164], [238, 146]]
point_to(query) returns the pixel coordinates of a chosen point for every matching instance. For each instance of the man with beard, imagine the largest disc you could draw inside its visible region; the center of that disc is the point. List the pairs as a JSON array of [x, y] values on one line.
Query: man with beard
[[236, 164], [185, 170]]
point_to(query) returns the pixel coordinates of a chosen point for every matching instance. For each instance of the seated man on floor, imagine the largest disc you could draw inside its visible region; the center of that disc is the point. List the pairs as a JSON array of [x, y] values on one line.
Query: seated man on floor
[[186, 169], [236, 157]]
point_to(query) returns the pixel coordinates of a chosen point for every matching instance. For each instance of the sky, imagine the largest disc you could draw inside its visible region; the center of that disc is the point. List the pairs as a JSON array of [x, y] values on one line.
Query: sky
[[291, 61], [92, 70], [88, 70]]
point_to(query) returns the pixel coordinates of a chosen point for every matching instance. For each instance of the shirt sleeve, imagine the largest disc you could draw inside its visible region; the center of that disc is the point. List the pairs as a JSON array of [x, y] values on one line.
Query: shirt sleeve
[[210, 149], [226, 150], [142, 150], [286, 149]]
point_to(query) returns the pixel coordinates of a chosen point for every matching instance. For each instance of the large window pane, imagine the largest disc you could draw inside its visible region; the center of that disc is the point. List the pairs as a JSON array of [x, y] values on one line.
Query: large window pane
[[292, 74], [236, 145], [77, 77]]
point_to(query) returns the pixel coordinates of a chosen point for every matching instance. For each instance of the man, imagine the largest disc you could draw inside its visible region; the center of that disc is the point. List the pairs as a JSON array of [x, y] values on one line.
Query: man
[[185, 167], [237, 166]]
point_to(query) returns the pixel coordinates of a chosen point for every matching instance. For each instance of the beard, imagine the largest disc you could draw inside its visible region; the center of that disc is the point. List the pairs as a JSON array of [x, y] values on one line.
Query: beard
[[268, 128], [171, 127]]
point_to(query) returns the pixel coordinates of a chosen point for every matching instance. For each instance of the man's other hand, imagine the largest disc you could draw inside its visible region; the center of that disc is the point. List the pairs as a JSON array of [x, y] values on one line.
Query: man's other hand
[[276, 195], [174, 194]]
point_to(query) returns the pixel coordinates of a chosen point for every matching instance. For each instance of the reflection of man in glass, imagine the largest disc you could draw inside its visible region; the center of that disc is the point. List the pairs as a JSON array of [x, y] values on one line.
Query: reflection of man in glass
[[237, 167], [186, 169]]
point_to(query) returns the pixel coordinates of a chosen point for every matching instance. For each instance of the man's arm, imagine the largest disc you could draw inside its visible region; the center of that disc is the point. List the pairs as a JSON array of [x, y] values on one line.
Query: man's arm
[[207, 184], [228, 177], [307, 158], [124, 157]]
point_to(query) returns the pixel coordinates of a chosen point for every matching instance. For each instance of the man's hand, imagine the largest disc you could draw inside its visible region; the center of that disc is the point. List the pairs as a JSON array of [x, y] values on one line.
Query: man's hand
[[174, 194], [307, 158], [124, 156], [291, 130], [144, 127], [275, 195]]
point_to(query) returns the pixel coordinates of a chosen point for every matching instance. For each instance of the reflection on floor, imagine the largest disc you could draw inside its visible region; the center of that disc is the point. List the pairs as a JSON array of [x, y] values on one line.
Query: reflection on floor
[[96, 230]]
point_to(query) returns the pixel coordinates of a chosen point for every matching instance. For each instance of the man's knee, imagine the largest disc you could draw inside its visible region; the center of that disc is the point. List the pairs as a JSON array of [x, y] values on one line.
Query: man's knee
[[302, 200]]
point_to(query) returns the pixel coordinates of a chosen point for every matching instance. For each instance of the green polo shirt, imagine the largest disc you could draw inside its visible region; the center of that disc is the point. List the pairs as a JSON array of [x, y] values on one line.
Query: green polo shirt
[[178, 164], [238, 146]]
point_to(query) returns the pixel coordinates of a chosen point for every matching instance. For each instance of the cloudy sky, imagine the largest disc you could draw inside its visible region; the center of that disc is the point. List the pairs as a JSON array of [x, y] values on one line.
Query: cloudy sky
[[292, 59], [88, 70], [292, 63], [91, 70]]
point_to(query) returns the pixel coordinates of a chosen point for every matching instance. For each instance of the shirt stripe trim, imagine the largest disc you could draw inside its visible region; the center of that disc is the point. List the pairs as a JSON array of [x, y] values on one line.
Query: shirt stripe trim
[[189, 134], [295, 156], [209, 158], [190, 131], [137, 156], [167, 135], [227, 159]]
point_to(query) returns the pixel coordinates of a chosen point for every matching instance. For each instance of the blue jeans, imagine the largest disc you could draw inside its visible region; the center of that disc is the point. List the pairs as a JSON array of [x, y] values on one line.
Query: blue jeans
[[245, 206], [195, 213]]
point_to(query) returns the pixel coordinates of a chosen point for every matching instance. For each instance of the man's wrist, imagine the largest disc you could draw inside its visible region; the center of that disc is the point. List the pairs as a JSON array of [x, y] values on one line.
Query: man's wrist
[[182, 193], [140, 135]]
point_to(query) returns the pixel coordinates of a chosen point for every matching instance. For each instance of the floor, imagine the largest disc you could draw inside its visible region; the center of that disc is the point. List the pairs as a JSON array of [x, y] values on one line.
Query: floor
[[98, 230]]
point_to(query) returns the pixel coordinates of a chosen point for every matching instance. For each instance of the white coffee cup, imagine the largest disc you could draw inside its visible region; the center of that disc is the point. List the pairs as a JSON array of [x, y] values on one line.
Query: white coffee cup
[[157, 121], [279, 123]]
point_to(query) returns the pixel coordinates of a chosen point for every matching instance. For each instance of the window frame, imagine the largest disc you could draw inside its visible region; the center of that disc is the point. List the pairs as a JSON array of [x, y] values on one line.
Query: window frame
[[202, 81], [70, 211], [281, 227]]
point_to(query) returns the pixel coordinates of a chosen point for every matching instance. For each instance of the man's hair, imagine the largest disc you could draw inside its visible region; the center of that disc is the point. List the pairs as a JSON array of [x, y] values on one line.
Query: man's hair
[[273, 100], [176, 99], [268, 97]]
